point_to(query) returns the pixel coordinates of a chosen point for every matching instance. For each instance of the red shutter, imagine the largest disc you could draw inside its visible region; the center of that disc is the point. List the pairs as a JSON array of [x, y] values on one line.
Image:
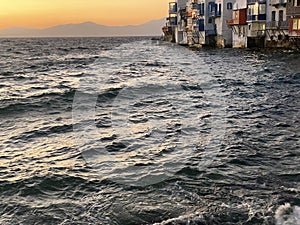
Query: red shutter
[[291, 25]]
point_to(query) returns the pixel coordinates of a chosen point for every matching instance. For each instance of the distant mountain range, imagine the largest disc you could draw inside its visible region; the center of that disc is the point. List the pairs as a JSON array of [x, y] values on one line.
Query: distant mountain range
[[87, 29]]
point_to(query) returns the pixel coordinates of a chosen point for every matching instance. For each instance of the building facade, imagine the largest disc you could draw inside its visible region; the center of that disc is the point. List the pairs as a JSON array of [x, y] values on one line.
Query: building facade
[[277, 26], [256, 19], [224, 9], [239, 25], [293, 12], [236, 23]]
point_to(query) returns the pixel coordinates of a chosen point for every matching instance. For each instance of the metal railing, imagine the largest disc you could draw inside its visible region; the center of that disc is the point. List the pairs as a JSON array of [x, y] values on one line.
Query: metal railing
[[230, 22], [210, 32], [256, 33], [254, 1], [214, 14], [279, 25], [260, 17], [292, 10], [194, 6], [278, 2], [195, 21]]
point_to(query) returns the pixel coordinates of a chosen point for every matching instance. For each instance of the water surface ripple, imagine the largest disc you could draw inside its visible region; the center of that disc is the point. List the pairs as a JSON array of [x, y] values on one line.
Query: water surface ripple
[[131, 131]]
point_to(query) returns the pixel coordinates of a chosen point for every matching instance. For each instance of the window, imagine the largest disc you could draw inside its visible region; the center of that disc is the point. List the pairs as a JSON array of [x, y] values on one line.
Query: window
[[262, 9], [296, 24], [255, 9], [201, 25], [249, 11], [229, 6], [202, 8], [172, 7], [216, 9], [296, 2], [273, 15], [280, 15], [211, 8], [220, 10], [235, 14]]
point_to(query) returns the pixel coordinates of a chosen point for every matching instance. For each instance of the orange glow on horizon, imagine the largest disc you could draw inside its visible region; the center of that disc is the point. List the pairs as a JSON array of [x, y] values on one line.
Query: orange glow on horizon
[[46, 13]]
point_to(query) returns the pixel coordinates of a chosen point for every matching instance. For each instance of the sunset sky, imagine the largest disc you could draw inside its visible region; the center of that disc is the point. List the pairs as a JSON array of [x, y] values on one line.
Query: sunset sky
[[46, 13]]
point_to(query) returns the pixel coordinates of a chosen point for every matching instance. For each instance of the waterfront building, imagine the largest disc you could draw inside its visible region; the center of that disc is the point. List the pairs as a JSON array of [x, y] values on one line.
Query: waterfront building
[[180, 31], [220, 12], [206, 22], [239, 25], [277, 25], [193, 32], [174, 30], [256, 19], [236, 23], [293, 12], [170, 28]]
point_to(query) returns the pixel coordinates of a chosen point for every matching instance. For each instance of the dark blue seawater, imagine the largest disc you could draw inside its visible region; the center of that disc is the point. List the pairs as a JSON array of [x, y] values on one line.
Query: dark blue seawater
[[134, 131]]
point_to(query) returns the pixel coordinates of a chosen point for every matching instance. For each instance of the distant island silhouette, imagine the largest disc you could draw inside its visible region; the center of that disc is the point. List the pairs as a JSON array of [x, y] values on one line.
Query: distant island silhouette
[[87, 29]]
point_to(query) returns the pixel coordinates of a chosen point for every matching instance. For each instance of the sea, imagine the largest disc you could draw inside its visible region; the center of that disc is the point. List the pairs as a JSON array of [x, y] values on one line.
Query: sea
[[136, 131]]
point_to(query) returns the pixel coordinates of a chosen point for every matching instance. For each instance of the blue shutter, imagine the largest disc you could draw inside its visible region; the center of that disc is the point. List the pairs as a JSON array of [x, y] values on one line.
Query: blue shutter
[[216, 9], [201, 24]]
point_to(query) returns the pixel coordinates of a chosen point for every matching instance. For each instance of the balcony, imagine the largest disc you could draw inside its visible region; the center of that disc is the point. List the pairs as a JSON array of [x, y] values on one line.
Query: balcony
[[240, 17], [214, 14], [230, 22], [188, 14], [172, 21], [210, 33], [278, 2], [236, 22], [194, 6], [195, 21], [277, 25], [292, 10], [249, 2], [256, 33], [260, 17]]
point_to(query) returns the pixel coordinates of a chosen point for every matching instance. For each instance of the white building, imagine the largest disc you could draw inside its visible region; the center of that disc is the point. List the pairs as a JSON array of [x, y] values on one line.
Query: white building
[[256, 19], [221, 13], [192, 27], [239, 25], [180, 30], [277, 25]]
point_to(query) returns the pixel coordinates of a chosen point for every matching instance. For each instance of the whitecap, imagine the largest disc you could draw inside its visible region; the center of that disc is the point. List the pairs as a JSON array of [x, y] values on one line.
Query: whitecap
[[287, 215]]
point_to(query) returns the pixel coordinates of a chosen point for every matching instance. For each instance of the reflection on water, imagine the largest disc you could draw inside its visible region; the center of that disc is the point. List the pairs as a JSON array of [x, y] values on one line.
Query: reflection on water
[[128, 131]]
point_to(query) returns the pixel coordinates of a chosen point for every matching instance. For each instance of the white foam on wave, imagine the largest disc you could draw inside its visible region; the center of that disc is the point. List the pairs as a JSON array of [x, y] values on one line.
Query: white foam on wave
[[183, 219], [287, 215]]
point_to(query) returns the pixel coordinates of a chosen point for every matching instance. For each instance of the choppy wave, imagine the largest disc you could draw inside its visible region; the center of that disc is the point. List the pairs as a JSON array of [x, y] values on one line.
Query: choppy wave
[[287, 215], [164, 135]]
